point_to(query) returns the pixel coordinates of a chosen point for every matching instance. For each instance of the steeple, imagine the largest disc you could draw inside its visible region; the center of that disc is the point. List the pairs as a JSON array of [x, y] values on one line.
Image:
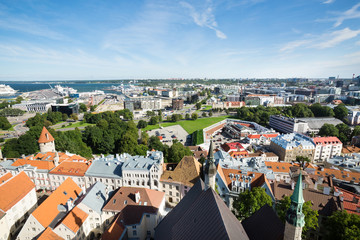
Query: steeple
[[295, 219], [210, 168], [46, 141]]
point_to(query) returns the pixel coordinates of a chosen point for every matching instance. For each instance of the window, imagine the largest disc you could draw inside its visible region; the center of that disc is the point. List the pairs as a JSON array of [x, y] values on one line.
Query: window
[[134, 227], [147, 215], [170, 193], [163, 185], [148, 233], [134, 233], [177, 188], [68, 237], [90, 210]]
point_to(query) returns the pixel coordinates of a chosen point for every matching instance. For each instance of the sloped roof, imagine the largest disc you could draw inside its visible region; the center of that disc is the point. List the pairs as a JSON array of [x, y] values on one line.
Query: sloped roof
[[126, 196], [115, 230], [48, 210], [200, 215], [258, 182], [326, 140], [48, 234], [228, 171], [264, 224], [95, 197], [279, 166], [44, 165], [74, 219], [5, 177], [71, 168], [45, 136], [186, 172], [349, 204], [14, 189]]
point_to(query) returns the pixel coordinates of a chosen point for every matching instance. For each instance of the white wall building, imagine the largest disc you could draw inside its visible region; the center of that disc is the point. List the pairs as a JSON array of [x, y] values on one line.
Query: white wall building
[[327, 147]]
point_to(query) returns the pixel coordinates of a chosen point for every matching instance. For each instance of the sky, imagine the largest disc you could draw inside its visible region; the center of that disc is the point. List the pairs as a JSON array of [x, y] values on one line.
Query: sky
[[121, 39]]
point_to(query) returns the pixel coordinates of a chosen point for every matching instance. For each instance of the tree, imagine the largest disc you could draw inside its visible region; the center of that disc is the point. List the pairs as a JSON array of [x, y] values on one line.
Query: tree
[[328, 130], [150, 113], [175, 117], [203, 114], [210, 114], [321, 111], [82, 107], [142, 124], [356, 131], [187, 116], [153, 120], [311, 216], [74, 117], [198, 105], [93, 108], [341, 112], [302, 160], [177, 151], [64, 116], [342, 225], [103, 124], [344, 132], [160, 115], [301, 110], [19, 99], [4, 123], [249, 202], [194, 116]]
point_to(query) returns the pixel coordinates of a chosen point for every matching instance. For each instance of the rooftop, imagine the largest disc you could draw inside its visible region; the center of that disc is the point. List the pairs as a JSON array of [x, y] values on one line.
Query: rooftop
[[71, 168], [45, 136], [74, 219], [48, 234], [326, 140]]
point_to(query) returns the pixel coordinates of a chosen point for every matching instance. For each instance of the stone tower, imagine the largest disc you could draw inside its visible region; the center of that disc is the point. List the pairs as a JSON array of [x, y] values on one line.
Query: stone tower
[[295, 219], [46, 141], [210, 168]]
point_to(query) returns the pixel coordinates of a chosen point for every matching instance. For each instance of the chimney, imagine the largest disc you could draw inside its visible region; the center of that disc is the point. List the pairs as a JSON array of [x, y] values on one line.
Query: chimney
[[69, 204], [137, 196]]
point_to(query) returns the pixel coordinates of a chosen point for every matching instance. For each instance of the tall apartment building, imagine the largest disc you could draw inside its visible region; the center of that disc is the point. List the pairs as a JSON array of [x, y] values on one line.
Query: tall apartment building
[[177, 103], [327, 147], [288, 146]]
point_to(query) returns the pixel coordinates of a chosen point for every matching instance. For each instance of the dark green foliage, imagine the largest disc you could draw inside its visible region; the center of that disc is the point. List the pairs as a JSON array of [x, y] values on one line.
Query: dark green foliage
[[142, 124], [341, 112], [311, 216], [153, 120], [194, 116], [321, 111], [328, 130], [302, 160], [177, 151], [176, 117], [197, 137], [187, 116], [82, 107], [11, 112], [45, 119], [344, 132], [342, 225], [249, 202], [198, 105], [4, 123]]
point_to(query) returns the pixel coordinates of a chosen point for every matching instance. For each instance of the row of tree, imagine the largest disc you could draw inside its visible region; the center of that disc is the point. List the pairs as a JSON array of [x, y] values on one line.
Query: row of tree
[[342, 131]]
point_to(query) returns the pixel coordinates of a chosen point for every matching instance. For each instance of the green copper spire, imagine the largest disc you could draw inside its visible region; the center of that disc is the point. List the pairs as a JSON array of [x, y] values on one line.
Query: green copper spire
[[297, 196], [294, 214]]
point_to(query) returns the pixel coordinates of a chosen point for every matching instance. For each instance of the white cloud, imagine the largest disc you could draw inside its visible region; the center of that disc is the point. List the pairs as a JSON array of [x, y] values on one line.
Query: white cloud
[[329, 1], [352, 13], [204, 18], [326, 40]]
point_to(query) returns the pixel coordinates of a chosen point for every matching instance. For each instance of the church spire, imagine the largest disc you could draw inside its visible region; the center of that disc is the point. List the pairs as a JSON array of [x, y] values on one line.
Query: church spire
[[210, 168], [295, 219]]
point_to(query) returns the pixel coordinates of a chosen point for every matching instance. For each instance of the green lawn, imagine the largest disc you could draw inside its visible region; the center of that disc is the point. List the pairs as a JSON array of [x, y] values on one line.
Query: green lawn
[[74, 125], [207, 107], [190, 126]]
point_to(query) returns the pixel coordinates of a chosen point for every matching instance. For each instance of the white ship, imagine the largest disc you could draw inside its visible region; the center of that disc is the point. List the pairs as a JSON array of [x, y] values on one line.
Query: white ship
[[63, 91], [6, 90]]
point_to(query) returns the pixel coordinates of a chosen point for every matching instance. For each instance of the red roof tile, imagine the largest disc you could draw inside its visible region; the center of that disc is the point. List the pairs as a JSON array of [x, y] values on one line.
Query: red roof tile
[[5, 177], [48, 234], [71, 168], [45, 136], [74, 219], [326, 140]]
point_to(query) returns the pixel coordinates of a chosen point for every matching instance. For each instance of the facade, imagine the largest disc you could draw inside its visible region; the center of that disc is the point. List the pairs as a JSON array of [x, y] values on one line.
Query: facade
[[289, 146], [177, 182], [327, 147], [46, 141], [18, 197], [261, 139], [177, 104], [67, 108], [40, 106]]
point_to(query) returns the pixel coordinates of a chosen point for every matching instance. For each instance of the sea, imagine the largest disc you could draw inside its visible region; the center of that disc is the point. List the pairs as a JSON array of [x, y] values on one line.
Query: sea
[[81, 87]]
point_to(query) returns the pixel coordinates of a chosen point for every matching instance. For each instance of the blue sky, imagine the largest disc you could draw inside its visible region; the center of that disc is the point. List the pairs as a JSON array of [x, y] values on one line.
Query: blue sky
[[64, 40]]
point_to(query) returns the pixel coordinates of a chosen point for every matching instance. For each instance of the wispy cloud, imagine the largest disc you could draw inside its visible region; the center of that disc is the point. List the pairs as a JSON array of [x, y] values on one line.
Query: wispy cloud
[[328, 1], [204, 17], [326, 40], [340, 17]]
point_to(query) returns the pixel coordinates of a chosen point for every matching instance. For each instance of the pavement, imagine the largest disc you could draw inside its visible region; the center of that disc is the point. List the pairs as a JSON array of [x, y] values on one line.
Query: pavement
[[170, 133]]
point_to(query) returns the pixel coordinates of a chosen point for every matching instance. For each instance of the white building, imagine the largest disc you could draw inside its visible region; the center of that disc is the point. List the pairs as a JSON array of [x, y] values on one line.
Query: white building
[[18, 196], [327, 147]]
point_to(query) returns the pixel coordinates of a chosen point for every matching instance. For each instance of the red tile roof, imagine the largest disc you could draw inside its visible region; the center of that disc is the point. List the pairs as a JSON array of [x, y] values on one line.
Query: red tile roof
[[48, 210], [279, 166], [326, 140], [71, 168], [5, 177], [48, 234], [45, 136], [45, 165], [74, 219], [234, 172], [351, 201], [115, 230], [14, 189]]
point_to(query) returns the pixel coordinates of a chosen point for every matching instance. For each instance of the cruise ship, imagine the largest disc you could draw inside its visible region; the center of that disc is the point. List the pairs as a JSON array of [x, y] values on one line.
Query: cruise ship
[[63, 91], [6, 90]]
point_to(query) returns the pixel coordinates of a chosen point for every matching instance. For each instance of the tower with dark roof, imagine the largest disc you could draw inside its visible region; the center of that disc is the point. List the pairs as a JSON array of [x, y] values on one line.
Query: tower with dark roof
[[210, 168], [46, 141], [295, 219]]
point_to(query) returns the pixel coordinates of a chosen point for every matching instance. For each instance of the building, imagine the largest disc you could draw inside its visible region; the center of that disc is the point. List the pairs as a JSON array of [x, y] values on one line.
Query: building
[[261, 139], [136, 212], [52, 210], [289, 146], [177, 104], [18, 197], [40, 106], [327, 147], [177, 182], [354, 117], [300, 125], [46, 141], [67, 108]]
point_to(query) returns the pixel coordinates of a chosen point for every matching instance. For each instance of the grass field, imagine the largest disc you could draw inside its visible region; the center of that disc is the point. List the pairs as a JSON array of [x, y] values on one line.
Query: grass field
[[78, 124], [207, 107], [190, 126]]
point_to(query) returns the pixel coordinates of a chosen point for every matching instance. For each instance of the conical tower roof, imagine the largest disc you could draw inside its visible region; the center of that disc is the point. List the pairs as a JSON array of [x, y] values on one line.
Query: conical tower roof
[[297, 195], [45, 136]]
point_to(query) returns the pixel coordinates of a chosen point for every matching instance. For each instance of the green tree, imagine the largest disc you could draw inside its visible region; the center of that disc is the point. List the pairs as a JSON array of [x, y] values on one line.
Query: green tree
[[210, 114], [155, 143], [177, 151], [301, 110], [311, 216], [82, 107], [142, 124], [341, 112], [194, 116], [198, 105], [150, 113], [249, 202], [74, 117], [175, 117], [93, 108], [344, 132], [153, 120], [19, 99], [103, 124], [187, 116], [356, 131], [302, 160], [328, 130], [203, 114], [160, 115], [321, 111], [64, 117], [4, 123], [342, 225]]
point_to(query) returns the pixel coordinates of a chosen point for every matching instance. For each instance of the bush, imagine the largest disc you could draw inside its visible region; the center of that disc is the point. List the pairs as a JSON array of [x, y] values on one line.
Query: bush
[[197, 137]]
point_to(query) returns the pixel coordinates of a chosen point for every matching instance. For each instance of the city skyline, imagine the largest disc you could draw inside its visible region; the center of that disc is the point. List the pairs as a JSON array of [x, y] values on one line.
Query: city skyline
[[180, 39]]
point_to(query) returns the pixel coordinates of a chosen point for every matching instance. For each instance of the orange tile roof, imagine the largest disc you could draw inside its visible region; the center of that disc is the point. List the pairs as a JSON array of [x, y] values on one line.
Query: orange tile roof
[[258, 182], [239, 153], [349, 204], [350, 149], [5, 177], [14, 189], [71, 168], [338, 174], [115, 230], [74, 219], [47, 211], [45, 136], [45, 165], [279, 166], [228, 171], [221, 172], [326, 140], [48, 234]]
